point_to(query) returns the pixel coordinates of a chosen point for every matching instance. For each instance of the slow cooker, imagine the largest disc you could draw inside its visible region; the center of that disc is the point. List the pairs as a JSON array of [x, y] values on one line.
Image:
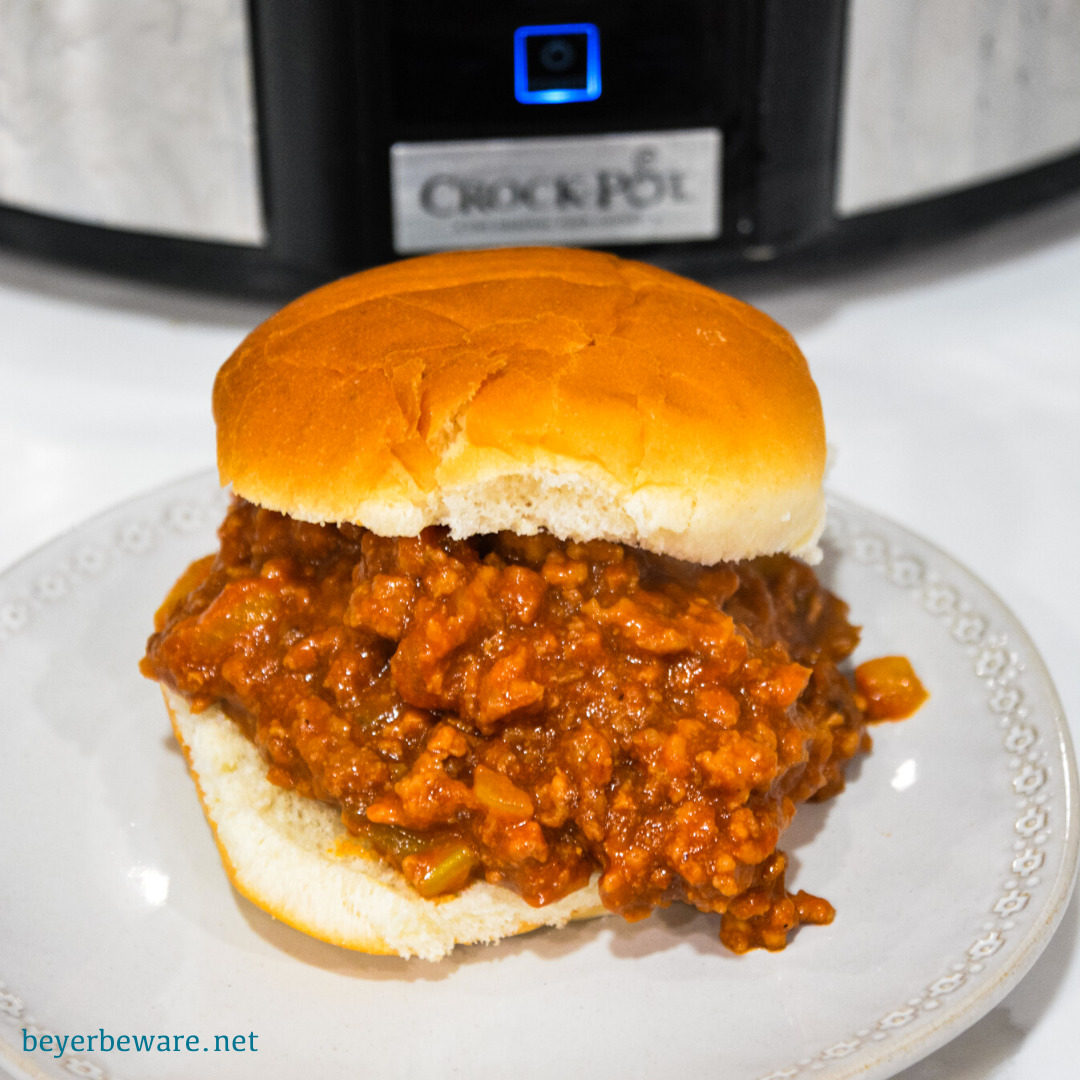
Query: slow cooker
[[263, 145]]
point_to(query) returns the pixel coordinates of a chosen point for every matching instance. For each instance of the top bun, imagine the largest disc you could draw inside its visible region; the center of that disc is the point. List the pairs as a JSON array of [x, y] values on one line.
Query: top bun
[[530, 389]]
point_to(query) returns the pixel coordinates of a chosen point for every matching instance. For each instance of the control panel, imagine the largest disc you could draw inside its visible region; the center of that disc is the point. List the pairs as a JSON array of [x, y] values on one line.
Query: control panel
[[556, 64]]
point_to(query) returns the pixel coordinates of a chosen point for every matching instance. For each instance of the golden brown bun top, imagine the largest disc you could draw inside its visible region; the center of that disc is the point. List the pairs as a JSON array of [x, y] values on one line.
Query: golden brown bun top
[[527, 389]]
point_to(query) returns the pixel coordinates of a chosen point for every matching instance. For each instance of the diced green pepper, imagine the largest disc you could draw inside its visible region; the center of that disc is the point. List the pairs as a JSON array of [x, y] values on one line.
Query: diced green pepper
[[394, 840], [444, 869]]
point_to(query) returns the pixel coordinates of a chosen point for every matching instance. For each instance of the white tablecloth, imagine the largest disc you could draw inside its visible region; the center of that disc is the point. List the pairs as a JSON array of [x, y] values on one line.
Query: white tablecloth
[[951, 383]]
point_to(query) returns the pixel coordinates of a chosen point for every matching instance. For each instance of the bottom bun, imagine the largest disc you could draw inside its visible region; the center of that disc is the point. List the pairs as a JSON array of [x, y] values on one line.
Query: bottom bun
[[292, 857]]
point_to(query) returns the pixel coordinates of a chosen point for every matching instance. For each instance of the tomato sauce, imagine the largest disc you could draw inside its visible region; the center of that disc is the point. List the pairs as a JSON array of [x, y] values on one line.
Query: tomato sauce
[[533, 711]]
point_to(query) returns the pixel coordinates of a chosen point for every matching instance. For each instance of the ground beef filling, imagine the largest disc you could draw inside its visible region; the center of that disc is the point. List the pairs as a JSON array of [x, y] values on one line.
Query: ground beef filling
[[528, 710]]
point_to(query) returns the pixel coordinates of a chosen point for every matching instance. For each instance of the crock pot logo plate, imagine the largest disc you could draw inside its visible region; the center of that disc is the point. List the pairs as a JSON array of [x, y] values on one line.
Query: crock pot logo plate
[[596, 189]]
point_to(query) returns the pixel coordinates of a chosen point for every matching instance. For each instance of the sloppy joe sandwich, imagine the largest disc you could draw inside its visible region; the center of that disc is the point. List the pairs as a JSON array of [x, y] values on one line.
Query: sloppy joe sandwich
[[513, 619]]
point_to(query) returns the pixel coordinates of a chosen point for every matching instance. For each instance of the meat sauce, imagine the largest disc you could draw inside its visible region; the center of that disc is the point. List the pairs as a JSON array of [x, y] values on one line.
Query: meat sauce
[[533, 711]]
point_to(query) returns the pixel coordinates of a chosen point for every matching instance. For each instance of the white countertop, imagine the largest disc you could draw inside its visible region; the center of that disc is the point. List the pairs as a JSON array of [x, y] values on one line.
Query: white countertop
[[951, 383]]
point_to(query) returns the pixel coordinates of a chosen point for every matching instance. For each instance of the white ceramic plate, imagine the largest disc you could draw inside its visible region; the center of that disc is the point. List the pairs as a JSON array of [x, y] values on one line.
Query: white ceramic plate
[[949, 859]]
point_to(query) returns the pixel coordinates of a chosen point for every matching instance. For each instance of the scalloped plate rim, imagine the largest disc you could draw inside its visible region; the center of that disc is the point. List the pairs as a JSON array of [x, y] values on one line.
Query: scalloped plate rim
[[901, 1051]]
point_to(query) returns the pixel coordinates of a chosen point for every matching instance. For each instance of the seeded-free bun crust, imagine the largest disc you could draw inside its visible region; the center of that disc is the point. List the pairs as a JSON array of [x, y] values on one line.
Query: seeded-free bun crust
[[292, 857], [530, 389]]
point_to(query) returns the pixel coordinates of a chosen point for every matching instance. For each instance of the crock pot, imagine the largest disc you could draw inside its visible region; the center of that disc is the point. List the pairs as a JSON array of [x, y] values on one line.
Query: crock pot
[[263, 146]]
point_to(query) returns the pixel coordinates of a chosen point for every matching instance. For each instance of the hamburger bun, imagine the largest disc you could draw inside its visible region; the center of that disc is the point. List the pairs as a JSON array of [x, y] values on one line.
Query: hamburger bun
[[292, 857], [530, 389]]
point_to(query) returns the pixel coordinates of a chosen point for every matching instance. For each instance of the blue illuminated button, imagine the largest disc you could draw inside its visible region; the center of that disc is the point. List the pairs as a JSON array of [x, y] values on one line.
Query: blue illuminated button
[[556, 64]]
